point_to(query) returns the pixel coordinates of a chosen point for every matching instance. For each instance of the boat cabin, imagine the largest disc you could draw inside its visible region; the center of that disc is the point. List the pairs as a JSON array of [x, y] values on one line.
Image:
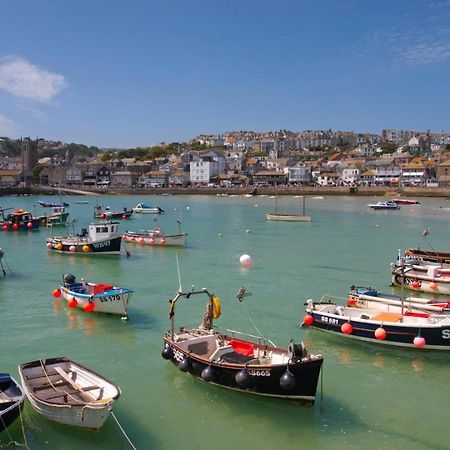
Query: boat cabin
[[104, 230]]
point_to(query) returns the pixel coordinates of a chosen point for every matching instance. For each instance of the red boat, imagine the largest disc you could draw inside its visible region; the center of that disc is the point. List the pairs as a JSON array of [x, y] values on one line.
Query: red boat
[[19, 220], [405, 201]]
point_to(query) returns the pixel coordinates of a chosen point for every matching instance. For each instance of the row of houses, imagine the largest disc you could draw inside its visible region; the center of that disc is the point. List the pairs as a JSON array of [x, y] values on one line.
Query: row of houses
[[232, 167]]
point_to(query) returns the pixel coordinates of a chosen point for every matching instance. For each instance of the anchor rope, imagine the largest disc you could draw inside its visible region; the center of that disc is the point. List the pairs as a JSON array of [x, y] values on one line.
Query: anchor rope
[[123, 431]]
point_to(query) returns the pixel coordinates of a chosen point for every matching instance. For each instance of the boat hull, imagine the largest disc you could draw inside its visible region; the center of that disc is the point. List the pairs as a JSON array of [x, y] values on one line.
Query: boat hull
[[22, 226], [85, 246], [11, 400], [263, 380], [418, 282], [113, 301], [437, 337], [60, 405], [288, 218], [170, 240]]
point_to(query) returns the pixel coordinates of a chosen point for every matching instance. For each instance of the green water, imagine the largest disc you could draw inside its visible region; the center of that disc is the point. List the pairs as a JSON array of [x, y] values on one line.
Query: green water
[[373, 397]]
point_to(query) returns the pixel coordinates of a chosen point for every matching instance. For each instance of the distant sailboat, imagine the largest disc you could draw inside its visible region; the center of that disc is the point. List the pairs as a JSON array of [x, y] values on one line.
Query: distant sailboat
[[289, 217]]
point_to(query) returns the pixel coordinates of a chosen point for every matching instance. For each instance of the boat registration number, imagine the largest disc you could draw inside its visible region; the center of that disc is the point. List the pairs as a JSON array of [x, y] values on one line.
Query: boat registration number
[[331, 320], [110, 298], [259, 373]]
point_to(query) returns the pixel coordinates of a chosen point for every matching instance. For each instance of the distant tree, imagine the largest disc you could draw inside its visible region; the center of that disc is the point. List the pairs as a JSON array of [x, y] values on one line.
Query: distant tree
[[388, 147], [106, 156]]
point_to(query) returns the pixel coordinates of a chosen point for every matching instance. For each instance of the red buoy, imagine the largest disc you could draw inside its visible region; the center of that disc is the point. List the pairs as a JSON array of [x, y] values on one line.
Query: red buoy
[[380, 333], [419, 342], [29, 224], [89, 307], [415, 284], [15, 226], [124, 216], [56, 293], [308, 319], [72, 303], [5, 227], [347, 328]]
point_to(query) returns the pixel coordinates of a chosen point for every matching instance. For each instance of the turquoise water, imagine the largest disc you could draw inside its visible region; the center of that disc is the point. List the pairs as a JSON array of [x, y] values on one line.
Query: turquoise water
[[372, 397]]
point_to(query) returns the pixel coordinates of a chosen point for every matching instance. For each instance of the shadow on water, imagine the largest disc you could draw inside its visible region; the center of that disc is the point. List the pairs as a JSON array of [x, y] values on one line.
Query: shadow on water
[[274, 422], [42, 433]]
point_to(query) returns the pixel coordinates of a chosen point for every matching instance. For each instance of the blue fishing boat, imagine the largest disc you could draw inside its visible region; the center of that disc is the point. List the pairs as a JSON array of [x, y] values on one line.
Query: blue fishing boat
[[11, 400], [19, 220]]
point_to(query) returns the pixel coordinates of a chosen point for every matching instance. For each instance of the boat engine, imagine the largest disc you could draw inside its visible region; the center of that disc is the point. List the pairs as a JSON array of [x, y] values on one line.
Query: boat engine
[[297, 351], [69, 279]]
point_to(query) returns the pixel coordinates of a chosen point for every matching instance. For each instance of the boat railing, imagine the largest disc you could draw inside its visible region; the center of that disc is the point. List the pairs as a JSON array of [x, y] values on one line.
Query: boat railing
[[331, 299]]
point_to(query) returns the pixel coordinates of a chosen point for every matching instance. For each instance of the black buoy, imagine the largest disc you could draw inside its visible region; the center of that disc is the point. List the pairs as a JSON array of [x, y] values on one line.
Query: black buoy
[[209, 373], [243, 378], [287, 380], [167, 352], [185, 364]]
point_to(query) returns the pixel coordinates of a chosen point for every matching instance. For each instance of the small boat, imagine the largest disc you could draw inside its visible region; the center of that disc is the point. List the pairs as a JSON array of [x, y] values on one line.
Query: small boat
[[430, 256], [11, 400], [408, 329], [67, 392], [109, 215], [405, 201], [240, 362], [369, 298], [141, 208], [420, 275], [53, 204], [98, 297], [19, 220], [58, 216], [384, 205], [102, 238], [289, 217], [156, 237], [81, 202]]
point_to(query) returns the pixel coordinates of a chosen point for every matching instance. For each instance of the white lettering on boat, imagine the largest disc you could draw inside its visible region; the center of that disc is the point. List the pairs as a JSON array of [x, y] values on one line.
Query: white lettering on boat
[[259, 373], [329, 320], [445, 334], [102, 244]]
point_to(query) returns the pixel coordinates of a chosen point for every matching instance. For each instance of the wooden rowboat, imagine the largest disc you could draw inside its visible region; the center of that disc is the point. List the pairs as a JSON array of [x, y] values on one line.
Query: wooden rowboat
[[67, 392]]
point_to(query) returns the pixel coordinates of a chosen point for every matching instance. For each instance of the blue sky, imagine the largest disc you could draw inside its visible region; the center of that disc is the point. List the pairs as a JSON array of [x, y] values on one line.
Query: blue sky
[[116, 73]]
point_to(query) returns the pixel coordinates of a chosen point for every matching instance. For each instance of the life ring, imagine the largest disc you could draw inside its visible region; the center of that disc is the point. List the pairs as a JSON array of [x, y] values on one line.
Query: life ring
[[217, 309]]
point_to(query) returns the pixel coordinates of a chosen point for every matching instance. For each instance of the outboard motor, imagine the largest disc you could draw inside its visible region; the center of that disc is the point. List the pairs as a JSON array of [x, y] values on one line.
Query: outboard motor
[[297, 351], [69, 279]]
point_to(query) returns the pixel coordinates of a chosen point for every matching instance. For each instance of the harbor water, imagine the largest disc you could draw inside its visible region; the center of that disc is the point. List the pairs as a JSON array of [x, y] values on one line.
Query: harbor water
[[370, 396]]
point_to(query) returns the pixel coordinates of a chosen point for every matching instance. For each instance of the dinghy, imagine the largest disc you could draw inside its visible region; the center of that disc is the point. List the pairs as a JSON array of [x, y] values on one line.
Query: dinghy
[[67, 392]]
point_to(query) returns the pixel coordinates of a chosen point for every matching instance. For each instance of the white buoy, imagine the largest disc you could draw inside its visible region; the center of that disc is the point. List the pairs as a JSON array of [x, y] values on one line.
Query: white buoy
[[247, 231], [246, 261], [187, 207], [220, 235]]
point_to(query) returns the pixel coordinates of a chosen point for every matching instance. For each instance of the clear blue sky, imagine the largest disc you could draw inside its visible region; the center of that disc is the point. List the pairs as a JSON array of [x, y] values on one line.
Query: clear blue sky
[[116, 73]]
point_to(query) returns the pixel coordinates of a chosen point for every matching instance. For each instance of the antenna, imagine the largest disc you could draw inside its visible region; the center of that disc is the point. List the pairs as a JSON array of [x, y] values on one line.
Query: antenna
[[179, 276]]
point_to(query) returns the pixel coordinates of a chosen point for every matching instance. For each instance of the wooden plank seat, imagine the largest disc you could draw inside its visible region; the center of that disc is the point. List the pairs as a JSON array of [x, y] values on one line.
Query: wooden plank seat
[[4, 398], [80, 392], [46, 386], [48, 373]]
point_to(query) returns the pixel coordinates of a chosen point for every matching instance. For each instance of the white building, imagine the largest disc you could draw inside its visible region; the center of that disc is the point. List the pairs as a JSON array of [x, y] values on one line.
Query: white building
[[207, 166]]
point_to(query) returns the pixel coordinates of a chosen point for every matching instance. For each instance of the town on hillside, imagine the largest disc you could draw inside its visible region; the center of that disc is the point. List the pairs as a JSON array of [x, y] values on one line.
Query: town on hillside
[[325, 158]]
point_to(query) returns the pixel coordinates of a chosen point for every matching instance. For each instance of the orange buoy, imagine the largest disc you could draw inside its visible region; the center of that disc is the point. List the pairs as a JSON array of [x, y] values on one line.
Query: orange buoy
[[419, 342], [89, 307], [380, 333], [56, 293], [346, 328], [308, 319]]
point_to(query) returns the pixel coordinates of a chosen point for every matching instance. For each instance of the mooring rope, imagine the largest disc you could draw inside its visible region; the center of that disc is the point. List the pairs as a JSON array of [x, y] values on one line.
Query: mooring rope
[[11, 440], [123, 431]]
